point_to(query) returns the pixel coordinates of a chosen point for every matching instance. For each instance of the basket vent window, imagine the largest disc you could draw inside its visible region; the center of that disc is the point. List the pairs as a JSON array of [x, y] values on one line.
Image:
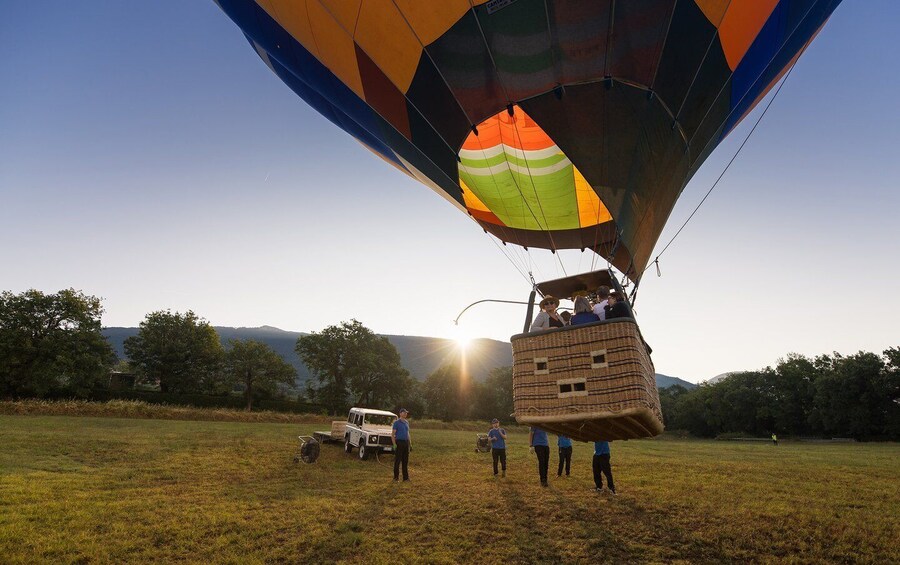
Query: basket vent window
[[541, 367], [572, 387], [598, 359]]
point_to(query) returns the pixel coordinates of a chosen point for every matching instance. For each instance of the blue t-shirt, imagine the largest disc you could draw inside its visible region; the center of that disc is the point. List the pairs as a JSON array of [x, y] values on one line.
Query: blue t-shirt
[[401, 426], [601, 448], [584, 318], [563, 441], [497, 443], [539, 437]]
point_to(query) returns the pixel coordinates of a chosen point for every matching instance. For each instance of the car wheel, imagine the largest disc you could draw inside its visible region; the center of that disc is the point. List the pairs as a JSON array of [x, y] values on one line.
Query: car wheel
[[347, 447], [363, 452]]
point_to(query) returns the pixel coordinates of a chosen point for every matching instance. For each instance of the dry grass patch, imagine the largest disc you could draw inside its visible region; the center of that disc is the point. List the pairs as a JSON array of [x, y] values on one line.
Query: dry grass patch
[[119, 490]]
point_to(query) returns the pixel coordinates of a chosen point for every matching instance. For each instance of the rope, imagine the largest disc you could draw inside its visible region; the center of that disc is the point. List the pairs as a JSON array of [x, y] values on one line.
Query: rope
[[515, 122], [743, 143]]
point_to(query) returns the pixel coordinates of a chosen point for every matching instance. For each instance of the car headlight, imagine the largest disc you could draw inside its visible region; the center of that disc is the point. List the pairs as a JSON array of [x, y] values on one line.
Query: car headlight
[[373, 439]]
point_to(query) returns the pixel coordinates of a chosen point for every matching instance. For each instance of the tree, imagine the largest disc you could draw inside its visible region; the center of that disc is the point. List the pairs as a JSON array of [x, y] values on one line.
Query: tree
[[446, 395], [850, 397], [794, 394], [890, 383], [181, 351], [257, 367], [351, 363], [51, 343], [494, 397]]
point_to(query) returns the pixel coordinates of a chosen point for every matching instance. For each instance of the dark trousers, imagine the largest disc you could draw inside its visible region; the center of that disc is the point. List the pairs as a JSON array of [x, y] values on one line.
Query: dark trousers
[[499, 455], [601, 465], [401, 455], [565, 458], [543, 457]]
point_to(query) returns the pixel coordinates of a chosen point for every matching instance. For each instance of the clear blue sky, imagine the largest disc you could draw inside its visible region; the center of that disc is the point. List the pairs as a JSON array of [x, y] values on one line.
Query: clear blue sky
[[148, 156]]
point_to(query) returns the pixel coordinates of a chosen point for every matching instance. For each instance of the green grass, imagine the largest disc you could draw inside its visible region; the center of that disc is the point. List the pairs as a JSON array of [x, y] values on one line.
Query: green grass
[[95, 490]]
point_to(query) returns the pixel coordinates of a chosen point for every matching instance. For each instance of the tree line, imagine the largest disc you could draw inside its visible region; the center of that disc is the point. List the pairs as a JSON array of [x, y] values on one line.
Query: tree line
[[52, 345], [855, 396]]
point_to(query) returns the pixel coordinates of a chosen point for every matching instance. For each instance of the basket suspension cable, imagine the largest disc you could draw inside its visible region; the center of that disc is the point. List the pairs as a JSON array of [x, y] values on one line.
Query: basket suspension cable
[[490, 54], [508, 257], [537, 198], [497, 188], [511, 112], [518, 188], [725, 170]]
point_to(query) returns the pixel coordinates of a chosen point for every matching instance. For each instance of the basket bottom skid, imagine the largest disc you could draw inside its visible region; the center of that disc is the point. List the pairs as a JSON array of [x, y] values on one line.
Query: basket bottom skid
[[636, 424]]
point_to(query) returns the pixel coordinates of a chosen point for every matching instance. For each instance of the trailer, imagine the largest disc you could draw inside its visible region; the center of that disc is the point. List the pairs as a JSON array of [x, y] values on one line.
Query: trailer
[[336, 435]]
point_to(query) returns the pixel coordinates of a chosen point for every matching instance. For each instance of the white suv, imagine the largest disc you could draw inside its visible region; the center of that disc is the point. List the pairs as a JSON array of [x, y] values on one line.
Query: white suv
[[368, 431]]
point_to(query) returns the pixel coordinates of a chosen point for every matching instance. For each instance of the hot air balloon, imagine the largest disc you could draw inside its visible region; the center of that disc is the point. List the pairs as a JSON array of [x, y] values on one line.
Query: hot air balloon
[[554, 124]]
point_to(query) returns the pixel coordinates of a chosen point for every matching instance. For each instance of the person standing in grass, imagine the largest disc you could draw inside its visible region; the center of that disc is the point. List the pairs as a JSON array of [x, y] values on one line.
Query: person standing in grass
[[540, 446], [400, 437], [497, 435], [601, 465], [774, 439], [565, 454]]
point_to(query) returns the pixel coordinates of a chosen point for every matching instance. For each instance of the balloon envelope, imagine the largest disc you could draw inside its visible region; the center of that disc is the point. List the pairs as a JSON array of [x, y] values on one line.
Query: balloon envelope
[[559, 124]]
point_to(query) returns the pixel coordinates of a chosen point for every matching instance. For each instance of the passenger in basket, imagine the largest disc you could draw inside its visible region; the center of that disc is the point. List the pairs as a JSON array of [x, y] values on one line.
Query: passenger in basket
[[402, 444], [583, 313], [601, 302], [565, 453], [566, 317], [497, 435], [617, 307], [540, 446], [547, 318]]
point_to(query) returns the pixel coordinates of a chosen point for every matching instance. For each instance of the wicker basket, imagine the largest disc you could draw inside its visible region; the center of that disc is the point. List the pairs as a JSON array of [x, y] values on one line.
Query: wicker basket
[[589, 382]]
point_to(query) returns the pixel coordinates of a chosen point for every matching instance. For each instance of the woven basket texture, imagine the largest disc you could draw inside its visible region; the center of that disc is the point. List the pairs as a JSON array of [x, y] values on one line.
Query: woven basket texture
[[619, 401]]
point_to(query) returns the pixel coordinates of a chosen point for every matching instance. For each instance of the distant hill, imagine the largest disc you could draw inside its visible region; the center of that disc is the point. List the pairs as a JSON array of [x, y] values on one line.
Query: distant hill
[[665, 381], [421, 356], [722, 377]]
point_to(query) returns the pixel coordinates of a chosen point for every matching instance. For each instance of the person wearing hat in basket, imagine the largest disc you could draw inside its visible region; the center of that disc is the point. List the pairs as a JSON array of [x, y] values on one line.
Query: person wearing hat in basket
[[497, 435], [540, 446], [547, 318], [400, 437]]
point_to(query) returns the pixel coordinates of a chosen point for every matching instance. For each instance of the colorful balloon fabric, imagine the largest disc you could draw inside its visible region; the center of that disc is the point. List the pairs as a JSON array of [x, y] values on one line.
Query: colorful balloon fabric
[[558, 124]]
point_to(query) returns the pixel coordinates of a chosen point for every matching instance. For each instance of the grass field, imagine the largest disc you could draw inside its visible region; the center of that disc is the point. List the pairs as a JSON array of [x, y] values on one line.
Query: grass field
[[95, 490]]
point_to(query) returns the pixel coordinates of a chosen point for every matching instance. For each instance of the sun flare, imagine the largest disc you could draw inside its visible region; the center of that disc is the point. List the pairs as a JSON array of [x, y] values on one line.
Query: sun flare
[[463, 338]]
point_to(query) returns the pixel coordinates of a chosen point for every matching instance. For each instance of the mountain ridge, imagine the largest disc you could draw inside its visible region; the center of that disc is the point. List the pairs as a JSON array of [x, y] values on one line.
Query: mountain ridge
[[420, 355]]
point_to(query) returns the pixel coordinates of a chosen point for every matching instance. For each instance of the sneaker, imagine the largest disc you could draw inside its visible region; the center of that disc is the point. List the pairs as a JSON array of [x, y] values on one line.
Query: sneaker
[[504, 472], [599, 489], [405, 480], [612, 492], [396, 479], [544, 484]]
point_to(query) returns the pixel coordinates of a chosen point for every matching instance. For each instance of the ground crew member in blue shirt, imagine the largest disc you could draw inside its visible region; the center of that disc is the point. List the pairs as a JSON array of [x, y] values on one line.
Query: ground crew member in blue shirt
[[497, 435], [400, 437], [565, 454], [537, 438], [601, 465]]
